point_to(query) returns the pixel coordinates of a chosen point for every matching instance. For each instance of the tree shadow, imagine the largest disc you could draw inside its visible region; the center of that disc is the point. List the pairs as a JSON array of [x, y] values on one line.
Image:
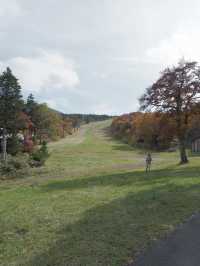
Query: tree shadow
[[112, 233], [120, 145], [124, 179], [123, 147]]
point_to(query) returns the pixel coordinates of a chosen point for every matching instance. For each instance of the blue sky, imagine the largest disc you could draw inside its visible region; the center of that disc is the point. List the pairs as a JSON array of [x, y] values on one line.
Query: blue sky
[[95, 56]]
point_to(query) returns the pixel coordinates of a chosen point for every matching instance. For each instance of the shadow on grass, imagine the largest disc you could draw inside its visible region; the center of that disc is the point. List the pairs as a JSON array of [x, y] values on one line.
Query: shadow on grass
[[120, 145], [123, 147], [112, 233], [124, 179]]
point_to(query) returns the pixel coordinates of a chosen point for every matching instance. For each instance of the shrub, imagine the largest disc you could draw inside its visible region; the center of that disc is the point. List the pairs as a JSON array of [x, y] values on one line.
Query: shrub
[[20, 161], [28, 145], [15, 165], [39, 157], [14, 146], [7, 169]]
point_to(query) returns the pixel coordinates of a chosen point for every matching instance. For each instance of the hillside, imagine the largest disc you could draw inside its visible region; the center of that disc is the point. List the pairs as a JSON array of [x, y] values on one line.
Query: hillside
[[93, 204]]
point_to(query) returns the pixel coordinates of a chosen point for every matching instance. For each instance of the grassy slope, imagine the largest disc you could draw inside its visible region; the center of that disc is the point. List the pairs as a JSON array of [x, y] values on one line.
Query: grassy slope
[[93, 204]]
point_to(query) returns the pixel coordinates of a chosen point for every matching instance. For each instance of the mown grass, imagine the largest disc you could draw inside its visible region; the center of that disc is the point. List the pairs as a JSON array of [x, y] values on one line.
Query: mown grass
[[93, 204]]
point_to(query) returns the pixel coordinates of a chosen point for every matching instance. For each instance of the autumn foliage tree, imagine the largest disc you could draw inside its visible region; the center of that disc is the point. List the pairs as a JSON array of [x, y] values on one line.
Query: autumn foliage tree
[[175, 92], [146, 130], [24, 124]]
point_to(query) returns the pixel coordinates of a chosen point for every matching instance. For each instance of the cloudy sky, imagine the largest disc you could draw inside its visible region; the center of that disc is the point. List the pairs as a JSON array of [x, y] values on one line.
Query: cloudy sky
[[95, 56]]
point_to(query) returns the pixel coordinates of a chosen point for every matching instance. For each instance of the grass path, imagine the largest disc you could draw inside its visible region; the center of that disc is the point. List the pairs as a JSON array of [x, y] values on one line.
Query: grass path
[[92, 204]]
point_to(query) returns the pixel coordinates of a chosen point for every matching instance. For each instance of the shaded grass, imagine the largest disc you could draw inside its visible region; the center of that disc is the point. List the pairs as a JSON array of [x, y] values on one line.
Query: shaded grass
[[93, 204]]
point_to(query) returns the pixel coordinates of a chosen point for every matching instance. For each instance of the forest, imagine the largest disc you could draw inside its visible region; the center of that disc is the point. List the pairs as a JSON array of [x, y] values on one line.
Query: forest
[[99, 133], [70, 189], [26, 126], [169, 112], [153, 131]]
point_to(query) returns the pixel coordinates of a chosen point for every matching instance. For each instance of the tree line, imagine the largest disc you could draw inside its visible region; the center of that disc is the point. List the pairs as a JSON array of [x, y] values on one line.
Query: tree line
[[87, 118], [25, 123], [145, 130], [169, 112]]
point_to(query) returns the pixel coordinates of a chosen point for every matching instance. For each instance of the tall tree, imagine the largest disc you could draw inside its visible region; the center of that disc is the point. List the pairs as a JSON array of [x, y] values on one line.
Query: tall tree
[[48, 123], [10, 106], [175, 92], [31, 105]]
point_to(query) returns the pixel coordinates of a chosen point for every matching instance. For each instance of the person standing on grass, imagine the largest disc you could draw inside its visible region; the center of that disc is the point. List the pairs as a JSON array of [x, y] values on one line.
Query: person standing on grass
[[148, 162]]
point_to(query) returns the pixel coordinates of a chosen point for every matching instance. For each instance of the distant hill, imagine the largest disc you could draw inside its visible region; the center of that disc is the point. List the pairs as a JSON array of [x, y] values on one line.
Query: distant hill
[[87, 118], [79, 119]]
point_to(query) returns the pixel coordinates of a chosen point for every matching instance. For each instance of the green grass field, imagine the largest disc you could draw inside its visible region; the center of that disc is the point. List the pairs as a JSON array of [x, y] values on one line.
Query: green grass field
[[93, 204]]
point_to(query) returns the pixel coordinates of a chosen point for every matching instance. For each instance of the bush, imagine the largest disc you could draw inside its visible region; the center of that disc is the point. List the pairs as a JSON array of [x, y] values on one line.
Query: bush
[[39, 157], [28, 145], [15, 165], [7, 169], [14, 146], [20, 161]]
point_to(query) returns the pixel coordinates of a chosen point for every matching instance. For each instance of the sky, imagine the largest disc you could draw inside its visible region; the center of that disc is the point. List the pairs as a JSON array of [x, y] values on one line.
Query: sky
[[95, 56]]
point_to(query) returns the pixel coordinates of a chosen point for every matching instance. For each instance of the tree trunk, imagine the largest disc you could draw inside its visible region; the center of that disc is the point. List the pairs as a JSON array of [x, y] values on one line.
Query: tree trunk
[[181, 130], [183, 155], [4, 146]]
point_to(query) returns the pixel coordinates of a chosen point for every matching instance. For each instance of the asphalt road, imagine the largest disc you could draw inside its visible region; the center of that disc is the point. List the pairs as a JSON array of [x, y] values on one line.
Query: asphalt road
[[181, 248]]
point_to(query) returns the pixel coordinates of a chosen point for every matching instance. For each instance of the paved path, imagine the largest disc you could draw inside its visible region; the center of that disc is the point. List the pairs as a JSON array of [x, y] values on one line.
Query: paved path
[[181, 248]]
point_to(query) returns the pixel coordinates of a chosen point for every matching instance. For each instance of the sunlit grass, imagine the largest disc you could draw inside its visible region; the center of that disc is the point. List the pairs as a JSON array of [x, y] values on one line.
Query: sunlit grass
[[93, 204]]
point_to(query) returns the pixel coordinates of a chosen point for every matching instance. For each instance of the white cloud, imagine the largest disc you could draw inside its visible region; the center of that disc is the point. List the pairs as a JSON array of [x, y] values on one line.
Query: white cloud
[[103, 108], [119, 46], [101, 75], [181, 44], [9, 8], [47, 71], [125, 59], [51, 103]]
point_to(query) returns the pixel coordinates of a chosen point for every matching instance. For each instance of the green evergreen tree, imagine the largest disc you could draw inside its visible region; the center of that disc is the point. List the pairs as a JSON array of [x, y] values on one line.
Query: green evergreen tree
[[31, 106], [11, 104]]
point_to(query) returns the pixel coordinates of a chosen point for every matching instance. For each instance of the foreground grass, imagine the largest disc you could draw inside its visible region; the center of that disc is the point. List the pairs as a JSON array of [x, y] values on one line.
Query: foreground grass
[[93, 204]]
